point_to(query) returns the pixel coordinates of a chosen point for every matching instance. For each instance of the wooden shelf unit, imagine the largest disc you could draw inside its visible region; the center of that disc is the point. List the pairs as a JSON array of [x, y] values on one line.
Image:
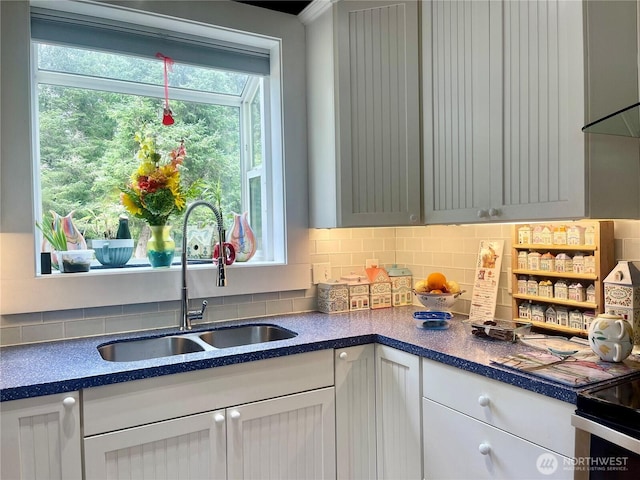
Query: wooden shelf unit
[[603, 252]]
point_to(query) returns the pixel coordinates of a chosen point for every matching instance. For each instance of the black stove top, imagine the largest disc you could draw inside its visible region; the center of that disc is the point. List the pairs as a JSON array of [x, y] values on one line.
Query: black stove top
[[615, 404]]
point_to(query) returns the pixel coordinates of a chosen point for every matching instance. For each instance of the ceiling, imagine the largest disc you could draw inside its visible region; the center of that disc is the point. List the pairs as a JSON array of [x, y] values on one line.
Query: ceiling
[[294, 7]]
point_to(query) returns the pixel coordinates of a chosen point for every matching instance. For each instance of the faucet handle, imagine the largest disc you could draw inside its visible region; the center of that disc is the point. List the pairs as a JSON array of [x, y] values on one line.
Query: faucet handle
[[198, 314]]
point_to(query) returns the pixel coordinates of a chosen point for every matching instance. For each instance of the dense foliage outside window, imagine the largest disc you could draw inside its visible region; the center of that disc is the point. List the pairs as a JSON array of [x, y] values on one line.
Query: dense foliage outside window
[[91, 104]]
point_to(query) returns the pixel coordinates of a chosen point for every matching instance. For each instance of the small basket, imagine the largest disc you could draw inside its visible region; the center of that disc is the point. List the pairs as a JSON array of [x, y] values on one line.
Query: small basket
[[505, 330]]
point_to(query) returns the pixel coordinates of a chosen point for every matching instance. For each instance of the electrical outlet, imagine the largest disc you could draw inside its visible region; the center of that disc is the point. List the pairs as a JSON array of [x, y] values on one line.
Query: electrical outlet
[[321, 272], [509, 281]]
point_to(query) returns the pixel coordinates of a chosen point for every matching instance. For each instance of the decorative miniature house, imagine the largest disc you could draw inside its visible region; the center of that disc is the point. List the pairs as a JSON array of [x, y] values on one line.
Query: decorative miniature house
[[575, 235], [622, 294], [550, 315], [200, 243], [333, 297], [379, 288], [358, 286], [401, 282]]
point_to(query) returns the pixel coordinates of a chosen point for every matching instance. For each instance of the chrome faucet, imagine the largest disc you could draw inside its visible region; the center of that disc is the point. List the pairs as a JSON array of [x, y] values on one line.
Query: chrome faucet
[[221, 280]]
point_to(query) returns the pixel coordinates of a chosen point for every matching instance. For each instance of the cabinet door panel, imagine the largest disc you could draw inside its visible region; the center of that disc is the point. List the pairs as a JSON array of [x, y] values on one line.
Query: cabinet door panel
[[543, 161], [188, 448], [397, 414], [355, 412], [461, 109], [40, 438], [378, 121], [290, 437], [457, 446]]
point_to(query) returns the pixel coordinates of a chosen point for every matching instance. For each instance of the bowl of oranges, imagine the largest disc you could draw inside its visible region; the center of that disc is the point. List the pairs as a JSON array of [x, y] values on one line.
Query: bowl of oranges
[[437, 293]]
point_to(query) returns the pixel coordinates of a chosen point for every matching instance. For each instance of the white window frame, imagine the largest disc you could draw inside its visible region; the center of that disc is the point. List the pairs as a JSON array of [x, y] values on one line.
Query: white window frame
[[23, 290], [242, 102]]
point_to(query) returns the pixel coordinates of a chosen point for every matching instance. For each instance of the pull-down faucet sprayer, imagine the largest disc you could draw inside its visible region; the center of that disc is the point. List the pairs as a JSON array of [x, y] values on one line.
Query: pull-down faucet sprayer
[[221, 279]]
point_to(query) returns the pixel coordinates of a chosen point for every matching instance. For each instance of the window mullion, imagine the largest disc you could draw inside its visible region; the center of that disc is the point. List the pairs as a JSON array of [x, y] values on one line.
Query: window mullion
[[133, 88]]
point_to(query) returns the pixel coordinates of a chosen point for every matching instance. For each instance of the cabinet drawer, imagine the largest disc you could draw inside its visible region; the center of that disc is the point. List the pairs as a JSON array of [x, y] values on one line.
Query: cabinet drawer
[[123, 405], [458, 446], [537, 418]]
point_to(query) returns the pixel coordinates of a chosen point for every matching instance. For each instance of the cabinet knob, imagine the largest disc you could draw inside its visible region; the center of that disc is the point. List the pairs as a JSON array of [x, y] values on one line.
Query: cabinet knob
[[482, 213], [235, 414], [484, 400], [218, 418], [494, 212], [413, 218], [344, 355], [484, 448], [69, 402]]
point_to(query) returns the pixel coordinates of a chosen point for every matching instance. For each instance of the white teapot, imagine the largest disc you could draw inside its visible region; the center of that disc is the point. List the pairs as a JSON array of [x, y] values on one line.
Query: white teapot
[[611, 337]]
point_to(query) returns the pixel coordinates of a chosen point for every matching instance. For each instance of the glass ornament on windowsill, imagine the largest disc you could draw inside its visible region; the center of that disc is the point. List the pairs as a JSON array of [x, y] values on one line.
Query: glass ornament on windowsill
[[242, 238]]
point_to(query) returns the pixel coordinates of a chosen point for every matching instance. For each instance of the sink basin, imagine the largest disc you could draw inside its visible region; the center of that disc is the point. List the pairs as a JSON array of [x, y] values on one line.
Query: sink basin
[[245, 335], [149, 348], [131, 351]]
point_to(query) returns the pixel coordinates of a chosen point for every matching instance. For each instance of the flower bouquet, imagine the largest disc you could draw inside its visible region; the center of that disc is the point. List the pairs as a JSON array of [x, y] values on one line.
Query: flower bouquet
[[154, 193]]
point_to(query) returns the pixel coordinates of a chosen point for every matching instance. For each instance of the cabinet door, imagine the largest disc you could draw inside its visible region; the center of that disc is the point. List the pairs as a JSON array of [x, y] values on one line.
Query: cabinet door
[[191, 447], [461, 108], [355, 412], [377, 128], [543, 164], [41, 438], [290, 437], [398, 414], [457, 446]]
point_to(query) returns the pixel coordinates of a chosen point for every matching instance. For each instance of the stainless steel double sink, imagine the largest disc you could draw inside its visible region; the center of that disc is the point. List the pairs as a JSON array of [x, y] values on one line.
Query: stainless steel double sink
[[180, 344]]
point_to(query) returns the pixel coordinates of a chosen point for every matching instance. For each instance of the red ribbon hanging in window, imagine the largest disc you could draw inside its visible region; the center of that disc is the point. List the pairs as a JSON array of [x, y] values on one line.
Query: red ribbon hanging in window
[[167, 114]]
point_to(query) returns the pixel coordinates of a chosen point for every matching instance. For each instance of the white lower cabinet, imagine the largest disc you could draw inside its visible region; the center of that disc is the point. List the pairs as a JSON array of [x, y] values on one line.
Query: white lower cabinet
[[40, 438], [269, 419], [457, 446], [290, 437], [378, 413], [477, 427], [356, 412], [191, 447]]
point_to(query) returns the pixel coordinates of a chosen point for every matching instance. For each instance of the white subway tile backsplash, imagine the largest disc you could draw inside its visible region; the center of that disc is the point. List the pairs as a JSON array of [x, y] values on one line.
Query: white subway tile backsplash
[[42, 333], [452, 250], [10, 336], [84, 328], [62, 315], [631, 248], [251, 310]]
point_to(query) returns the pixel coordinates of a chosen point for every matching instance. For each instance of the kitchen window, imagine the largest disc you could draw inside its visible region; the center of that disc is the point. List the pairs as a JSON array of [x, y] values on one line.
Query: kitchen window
[[100, 84], [279, 41]]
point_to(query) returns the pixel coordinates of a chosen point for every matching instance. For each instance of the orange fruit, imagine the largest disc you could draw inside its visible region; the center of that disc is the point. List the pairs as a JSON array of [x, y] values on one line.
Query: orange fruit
[[436, 281]]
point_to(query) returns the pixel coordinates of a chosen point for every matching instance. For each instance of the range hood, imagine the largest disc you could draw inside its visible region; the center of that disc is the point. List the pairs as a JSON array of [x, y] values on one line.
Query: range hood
[[625, 122]]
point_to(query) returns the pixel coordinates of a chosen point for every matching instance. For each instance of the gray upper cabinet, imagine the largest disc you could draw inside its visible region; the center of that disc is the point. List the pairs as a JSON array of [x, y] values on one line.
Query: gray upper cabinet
[[503, 107], [363, 111]]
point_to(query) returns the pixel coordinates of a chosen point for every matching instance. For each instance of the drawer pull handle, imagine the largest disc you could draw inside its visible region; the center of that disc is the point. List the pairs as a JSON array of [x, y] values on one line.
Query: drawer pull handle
[[484, 448], [484, 401], [68, 402], [218, 418], [344, 355], [235, 414]]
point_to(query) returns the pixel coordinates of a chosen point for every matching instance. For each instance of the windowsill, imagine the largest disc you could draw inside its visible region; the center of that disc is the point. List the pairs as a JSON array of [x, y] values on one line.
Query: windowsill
[[141, 265]]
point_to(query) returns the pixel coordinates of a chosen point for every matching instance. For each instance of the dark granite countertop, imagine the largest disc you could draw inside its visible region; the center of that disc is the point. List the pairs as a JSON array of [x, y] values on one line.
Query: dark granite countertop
[[54, 367]]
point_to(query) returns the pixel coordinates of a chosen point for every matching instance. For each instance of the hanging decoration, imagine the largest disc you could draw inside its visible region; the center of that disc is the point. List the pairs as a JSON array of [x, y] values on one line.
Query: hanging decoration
[[167, 114]]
